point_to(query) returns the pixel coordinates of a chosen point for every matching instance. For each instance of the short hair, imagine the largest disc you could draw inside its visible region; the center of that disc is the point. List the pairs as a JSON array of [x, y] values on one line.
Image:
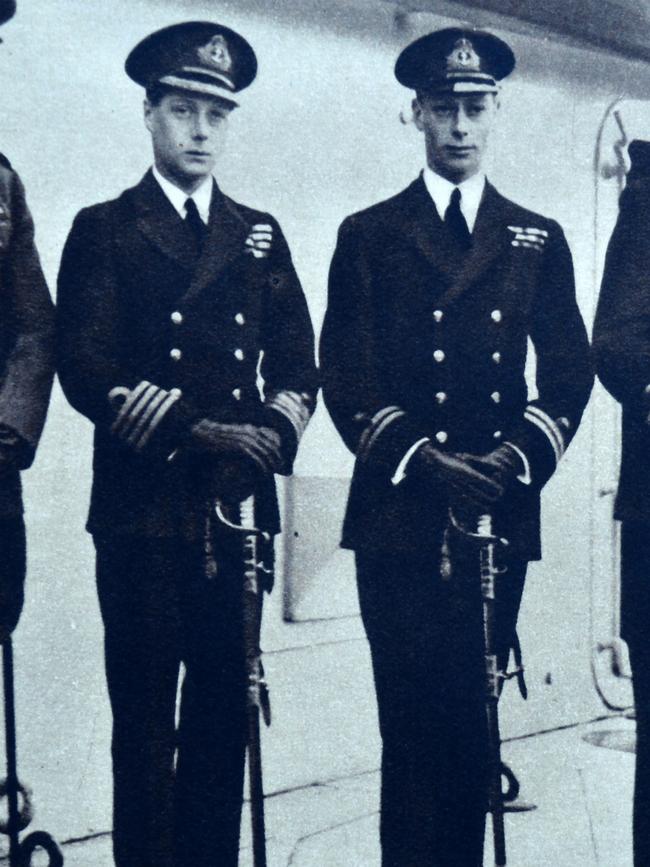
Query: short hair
[[156, 92]]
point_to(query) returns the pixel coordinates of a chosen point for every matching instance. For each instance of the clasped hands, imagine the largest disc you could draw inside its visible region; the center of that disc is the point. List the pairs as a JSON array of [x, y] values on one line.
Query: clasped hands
[[243, 452], [473, 482]]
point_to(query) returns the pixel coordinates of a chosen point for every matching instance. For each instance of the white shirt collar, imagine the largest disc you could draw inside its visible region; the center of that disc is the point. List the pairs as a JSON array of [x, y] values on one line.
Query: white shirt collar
[[202, 196], [471, 192]]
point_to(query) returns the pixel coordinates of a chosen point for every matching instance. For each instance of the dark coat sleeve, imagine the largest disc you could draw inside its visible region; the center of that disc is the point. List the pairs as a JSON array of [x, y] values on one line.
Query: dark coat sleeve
[[27, 363], [288, 363], [621, 340], [373, 427], [88, 332], [564, 375]]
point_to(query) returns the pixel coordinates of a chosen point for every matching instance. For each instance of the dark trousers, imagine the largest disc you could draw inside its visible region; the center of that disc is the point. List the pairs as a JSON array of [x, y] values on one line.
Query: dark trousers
[[426, 642], [635, 618], [177, 793]]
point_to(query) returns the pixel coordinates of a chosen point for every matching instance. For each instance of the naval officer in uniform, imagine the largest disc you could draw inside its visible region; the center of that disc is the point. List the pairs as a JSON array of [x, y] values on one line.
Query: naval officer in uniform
[[175, 301], [622, 353], [26, 371], [433, 295]]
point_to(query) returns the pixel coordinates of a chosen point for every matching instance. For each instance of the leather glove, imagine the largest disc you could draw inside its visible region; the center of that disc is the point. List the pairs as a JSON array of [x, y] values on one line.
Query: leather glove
[[261, 446], [466, 486], [503, 465]]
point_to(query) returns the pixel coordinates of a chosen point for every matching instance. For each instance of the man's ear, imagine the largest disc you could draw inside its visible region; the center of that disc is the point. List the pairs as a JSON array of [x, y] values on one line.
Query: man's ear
[[416, 108], [147, 109]]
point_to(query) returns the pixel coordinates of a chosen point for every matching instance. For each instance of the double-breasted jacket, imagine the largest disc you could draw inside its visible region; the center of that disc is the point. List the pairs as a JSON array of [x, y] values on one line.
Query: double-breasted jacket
[[229, 329], [419, 342]]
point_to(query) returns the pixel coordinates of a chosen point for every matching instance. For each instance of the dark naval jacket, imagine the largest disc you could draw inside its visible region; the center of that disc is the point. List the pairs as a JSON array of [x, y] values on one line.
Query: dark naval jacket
[[417, 343], [621, 338], [26, 335], [135, 303]]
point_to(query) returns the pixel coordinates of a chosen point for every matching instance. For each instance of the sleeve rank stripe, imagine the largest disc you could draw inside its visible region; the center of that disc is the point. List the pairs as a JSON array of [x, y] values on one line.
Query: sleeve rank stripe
[[162, 411], [149, 411], [125, 409], [293, 407], [363, 442], [376, 427], [546, 424], [554, 426]]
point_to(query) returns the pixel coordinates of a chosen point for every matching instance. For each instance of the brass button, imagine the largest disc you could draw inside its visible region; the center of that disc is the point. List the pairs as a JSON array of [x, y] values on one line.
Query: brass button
[[439, 355], [496, 396], [496, 357], [442, 436], [236, 393], [177, 317], [240, 319], [239, 354], [496, 315], [441, 396], [176, 354], [437, 315]]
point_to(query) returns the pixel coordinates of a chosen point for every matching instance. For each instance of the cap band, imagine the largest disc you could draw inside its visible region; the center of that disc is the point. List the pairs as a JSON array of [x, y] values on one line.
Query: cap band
[[474, 87], [207, 73], [199, 56], [214, 88]]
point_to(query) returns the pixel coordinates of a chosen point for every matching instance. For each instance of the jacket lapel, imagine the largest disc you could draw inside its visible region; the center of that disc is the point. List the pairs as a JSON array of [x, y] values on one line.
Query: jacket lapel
[[490, 239], [224, 242], [157, 219], [424, 228]]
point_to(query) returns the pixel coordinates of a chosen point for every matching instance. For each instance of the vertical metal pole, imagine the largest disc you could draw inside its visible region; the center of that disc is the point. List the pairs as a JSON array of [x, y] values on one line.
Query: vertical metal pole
[[10, 746]]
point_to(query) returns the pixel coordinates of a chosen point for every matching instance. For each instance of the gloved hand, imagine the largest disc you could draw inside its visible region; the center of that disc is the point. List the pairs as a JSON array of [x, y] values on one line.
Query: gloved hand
[[465, 485], [503, 465], [261, 446]]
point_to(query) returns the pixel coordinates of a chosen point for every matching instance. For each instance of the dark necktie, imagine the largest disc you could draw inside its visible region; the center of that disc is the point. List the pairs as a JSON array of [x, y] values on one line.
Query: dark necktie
[[456, 223], [194, 222]]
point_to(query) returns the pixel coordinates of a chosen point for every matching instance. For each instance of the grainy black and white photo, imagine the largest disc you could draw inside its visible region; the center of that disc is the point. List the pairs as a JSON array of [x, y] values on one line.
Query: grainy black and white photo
[[324, 433]]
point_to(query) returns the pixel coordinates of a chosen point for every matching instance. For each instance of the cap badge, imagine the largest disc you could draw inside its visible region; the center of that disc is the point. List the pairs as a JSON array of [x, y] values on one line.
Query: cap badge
[[463, 57], [216, 54]]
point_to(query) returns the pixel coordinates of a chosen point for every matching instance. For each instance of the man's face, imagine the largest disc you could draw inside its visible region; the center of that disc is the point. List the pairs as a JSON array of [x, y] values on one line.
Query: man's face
[[188, 133], [456, 128]]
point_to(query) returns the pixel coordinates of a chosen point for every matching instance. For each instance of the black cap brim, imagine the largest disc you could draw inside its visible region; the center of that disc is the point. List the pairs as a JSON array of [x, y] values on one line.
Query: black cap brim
[[420, 66], [143, 64], [7, 10]]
